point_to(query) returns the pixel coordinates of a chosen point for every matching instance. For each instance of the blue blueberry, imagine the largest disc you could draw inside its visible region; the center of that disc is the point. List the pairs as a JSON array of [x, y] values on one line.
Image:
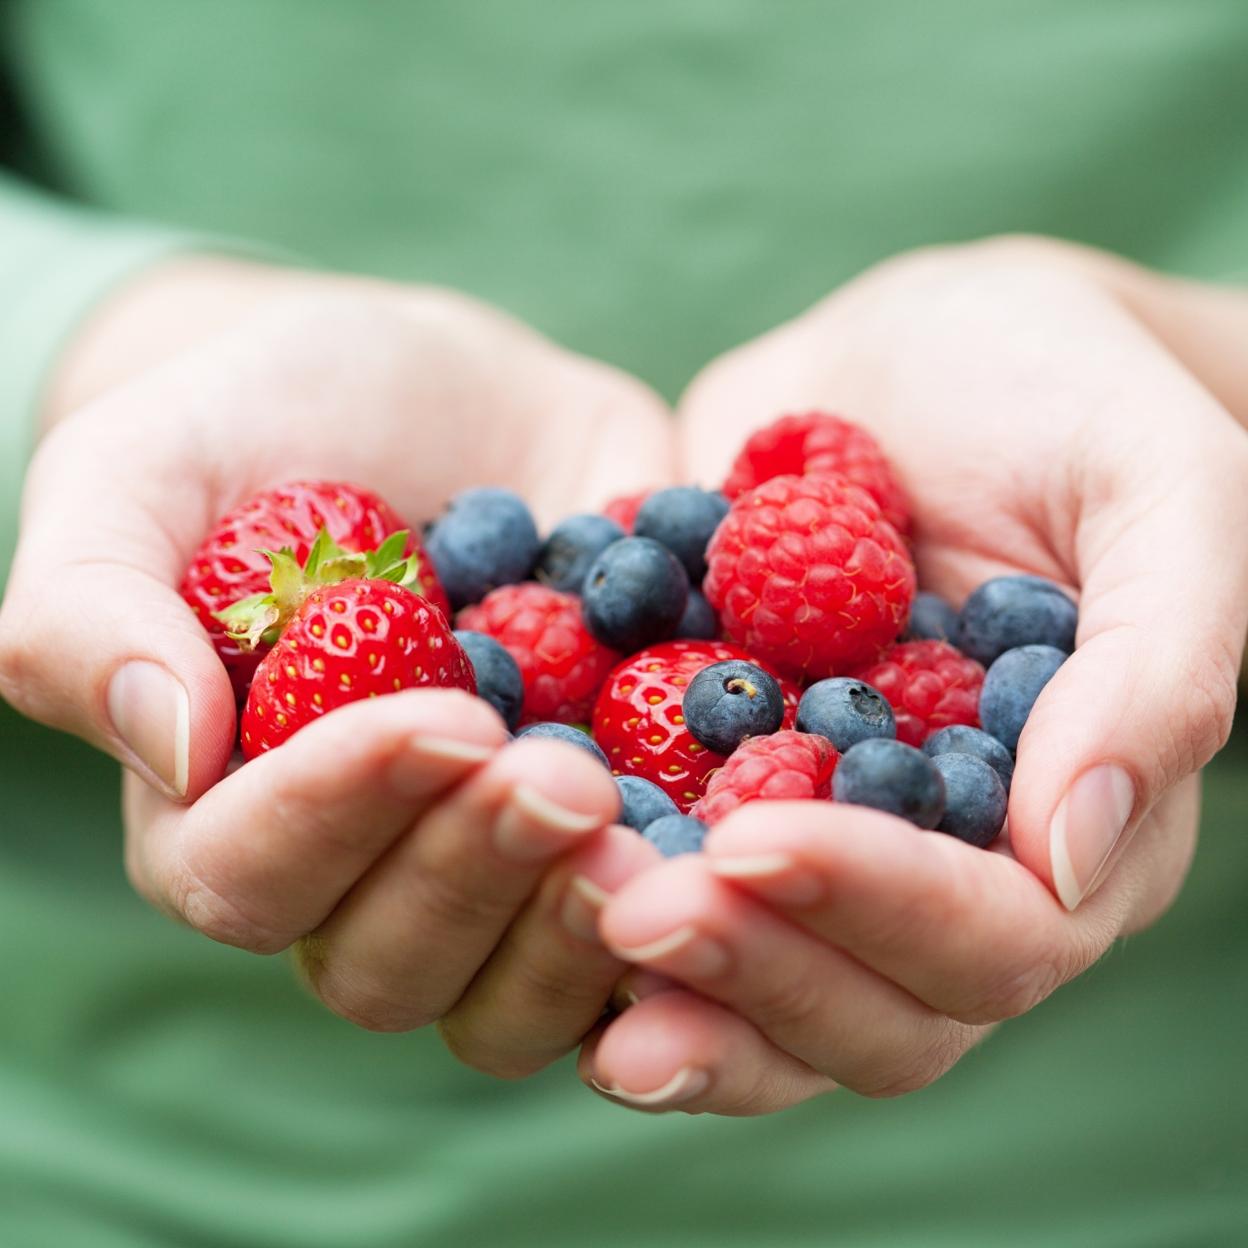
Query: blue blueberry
[[975, 799], [727, 702], [485, 538], [845, 711], [565, 732], [1011, 687], [1012, 611], [673, 835], [963, 739], [699, 622], [573, 544], [635, 594], [642, 802], [682, 519], [893, 777], [498, 677], [932, 619]]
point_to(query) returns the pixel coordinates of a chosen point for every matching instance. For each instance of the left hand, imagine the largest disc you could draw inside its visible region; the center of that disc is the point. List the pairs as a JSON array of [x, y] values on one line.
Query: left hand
[[1032, 402]]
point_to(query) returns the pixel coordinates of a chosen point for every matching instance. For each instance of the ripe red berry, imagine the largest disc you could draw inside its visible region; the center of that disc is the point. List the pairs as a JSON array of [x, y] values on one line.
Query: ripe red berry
[[351, 640], [623, 510], [786, 766], [639, 718], [562, 664], [820, 442], [929, 685], [808, 576], [230, 564]]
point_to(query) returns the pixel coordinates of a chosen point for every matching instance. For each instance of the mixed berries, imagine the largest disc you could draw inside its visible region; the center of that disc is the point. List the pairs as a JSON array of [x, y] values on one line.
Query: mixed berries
[[765, 641]]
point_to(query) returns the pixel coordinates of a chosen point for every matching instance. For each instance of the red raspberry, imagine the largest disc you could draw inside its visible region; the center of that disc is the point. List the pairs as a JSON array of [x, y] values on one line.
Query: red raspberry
[[639, 719], [819, 442], [623, 510], [807, 575], [563, 665], [795, 766], [929, 685]]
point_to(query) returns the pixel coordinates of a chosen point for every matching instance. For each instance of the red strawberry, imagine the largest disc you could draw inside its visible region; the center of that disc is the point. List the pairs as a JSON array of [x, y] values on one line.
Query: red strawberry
[[563, 665], [792, 766], [929, 685], [807, 575], [230, 563], [623, 510], [640, 724], [820, 442]]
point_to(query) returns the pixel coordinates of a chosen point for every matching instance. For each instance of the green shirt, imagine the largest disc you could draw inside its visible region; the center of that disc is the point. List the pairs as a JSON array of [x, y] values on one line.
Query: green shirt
[[650, 183]]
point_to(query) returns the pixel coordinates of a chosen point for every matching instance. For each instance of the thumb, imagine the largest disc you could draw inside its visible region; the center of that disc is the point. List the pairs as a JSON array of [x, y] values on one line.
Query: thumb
[[94, 639]]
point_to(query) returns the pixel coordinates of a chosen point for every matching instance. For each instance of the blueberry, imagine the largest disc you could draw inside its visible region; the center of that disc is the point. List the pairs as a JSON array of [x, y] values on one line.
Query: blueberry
[[572, 546], [699, 622], [845, 711], [727, 702], [1013, 611], [565, 732], [975, 799], [642, 802], [891, 776], [1011, 688], [486, 538], [676, 834], [498, 677], [963, 739], [932, 619], [635, 594], [683, 519]]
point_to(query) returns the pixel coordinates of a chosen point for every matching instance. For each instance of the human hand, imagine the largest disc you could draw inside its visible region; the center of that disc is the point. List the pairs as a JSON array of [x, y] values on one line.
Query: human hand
[[1031, 400]]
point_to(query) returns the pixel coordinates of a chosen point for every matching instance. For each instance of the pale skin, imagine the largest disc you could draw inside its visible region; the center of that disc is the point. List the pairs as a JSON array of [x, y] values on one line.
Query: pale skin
[[1050, 410]]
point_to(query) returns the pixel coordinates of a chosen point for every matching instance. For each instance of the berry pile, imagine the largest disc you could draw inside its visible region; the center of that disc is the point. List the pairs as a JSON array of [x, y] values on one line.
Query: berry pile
[[712, 648]]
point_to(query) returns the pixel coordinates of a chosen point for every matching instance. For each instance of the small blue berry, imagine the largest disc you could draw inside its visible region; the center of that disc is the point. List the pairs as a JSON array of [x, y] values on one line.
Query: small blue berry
[[498, 676], [845, 711], [486, 538], [1012, 611], [975, 799], [642, 802], [727, 702], [893, 777], [673, 835], [573, 544], [963, 739], [635, 594], [565, 732], [683, 519], [1011, 687], [699, 622], [932, 619]]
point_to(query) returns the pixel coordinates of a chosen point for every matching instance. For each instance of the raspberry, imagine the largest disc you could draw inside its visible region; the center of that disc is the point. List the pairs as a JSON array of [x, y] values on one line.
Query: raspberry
[[819, 442], [639, 719], [794, 766], [808, 576], [542, 629], [623, 510], [929, 685]]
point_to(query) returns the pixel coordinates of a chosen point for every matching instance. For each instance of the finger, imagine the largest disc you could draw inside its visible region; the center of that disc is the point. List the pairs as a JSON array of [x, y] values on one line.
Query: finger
[[810, 999], [405, 943], [547, 981], [680, 1051], [265, 855]]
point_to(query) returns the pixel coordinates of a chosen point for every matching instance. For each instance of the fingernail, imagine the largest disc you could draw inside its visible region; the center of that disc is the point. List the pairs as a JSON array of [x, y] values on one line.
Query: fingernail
[[582, 904], [684, 952], [684, 1085], [151, 713], [775, 877], [427, 763], [1087, 825], [635, 985], [532, 828]]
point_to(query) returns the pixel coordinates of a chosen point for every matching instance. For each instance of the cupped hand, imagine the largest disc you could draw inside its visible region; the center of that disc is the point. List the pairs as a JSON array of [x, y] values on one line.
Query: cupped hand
[[425, 869], [1050, 412]]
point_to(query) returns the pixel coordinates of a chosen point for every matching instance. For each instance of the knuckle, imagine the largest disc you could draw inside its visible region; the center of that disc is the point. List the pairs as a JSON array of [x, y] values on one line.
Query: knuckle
[[221, 918], [19, 660], [451, 905], [1019, 987], [1211, 688], [471, 1045], [362, 1005], [944, 1048], [791, 1002]]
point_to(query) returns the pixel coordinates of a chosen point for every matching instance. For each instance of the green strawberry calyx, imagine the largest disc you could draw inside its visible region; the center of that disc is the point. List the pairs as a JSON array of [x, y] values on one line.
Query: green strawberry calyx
[[259, 619]]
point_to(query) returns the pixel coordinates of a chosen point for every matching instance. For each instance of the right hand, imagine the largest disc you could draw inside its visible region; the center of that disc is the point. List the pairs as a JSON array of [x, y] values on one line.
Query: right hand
[[426, 870]]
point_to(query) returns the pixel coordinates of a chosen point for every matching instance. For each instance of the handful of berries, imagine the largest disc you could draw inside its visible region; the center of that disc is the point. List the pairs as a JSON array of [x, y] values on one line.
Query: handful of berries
[[763, 642]]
